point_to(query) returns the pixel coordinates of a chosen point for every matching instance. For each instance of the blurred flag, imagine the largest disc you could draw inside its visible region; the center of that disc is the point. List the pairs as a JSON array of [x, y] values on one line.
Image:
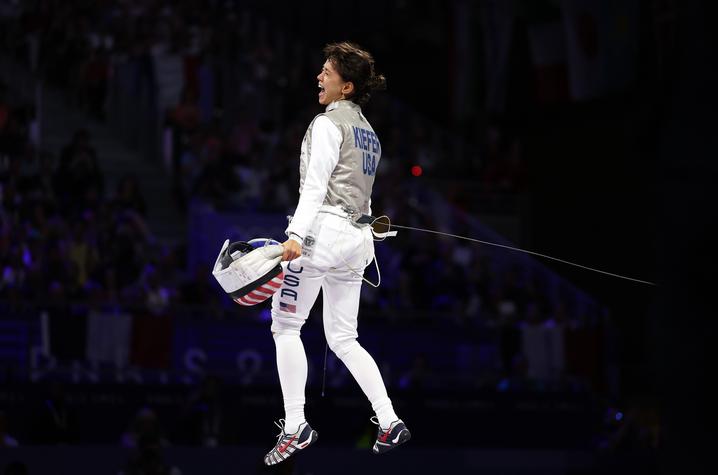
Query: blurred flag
[[287, 307]]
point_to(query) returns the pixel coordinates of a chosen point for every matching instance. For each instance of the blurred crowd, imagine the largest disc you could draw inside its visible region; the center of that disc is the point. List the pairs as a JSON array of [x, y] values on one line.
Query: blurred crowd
[[63, 237], [236, 89], [235, 95]]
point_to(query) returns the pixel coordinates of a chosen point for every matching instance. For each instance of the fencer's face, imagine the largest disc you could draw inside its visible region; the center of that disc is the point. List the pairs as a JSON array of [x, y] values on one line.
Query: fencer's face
[[331, 85]]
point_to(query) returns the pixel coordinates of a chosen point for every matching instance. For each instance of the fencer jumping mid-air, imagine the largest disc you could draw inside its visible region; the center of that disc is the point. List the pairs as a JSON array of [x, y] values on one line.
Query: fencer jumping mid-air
[[330, 244], [328, 248]]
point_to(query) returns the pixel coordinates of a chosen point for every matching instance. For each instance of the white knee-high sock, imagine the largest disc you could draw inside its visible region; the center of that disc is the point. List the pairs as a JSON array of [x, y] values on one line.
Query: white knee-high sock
[[364, 369], [292, 369]]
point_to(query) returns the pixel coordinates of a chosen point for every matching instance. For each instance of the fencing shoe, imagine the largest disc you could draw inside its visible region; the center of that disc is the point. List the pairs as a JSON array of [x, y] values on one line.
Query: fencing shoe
[[288, 444], [395, 435]]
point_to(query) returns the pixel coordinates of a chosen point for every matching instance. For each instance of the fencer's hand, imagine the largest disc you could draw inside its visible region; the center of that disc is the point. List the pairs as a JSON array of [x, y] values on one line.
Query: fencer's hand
[[292, 250]]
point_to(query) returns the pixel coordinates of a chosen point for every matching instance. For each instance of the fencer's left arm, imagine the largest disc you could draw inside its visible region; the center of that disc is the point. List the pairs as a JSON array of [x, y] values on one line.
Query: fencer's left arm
[[324, 156]]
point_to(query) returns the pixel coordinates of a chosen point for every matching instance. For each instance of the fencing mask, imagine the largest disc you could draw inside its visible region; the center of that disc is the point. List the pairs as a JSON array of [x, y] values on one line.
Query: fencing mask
[[250, 272]]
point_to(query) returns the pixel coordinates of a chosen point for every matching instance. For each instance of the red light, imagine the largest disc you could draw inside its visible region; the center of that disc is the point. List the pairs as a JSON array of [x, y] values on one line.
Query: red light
[[416, 170]]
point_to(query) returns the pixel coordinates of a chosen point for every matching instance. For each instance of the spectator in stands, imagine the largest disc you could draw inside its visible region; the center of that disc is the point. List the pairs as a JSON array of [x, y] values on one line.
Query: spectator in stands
[[6, 440], [158, 296], [78, 175], [57, 267], [128, 195], [13, 271], [82, 254], [127, 248]]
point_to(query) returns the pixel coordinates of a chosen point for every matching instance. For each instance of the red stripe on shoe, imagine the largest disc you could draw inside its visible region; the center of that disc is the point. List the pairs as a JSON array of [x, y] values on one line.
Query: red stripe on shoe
[[284, 446]]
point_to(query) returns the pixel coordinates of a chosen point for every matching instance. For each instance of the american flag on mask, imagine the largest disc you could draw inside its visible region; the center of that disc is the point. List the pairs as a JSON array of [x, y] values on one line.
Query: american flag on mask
[[288, 307], [261, 293]]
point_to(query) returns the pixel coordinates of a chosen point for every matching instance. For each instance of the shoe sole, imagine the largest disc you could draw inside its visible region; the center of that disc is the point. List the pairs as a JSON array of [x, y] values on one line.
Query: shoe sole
[[404, 436]]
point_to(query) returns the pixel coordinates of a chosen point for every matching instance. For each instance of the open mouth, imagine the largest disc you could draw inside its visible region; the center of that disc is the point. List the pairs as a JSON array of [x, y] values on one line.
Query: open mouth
[[322, 92]]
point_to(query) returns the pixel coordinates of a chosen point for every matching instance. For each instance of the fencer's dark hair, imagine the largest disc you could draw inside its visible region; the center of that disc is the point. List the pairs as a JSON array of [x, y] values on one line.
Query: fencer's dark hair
[[355, 65]]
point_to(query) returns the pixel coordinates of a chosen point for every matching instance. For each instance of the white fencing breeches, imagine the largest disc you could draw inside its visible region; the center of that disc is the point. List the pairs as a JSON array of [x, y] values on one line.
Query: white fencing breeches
[[333, 258], [334, 262]]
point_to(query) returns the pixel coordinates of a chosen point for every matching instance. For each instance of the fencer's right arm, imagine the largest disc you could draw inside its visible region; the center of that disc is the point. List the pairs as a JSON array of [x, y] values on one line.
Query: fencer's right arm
[[323, 158]]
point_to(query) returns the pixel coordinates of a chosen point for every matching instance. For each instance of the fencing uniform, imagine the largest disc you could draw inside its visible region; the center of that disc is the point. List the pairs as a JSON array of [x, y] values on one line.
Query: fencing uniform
[[339, 157], [338, 162]]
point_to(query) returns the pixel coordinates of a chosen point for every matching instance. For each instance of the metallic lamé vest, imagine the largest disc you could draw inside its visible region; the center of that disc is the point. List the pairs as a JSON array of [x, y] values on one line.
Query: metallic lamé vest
[[351, 181]]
